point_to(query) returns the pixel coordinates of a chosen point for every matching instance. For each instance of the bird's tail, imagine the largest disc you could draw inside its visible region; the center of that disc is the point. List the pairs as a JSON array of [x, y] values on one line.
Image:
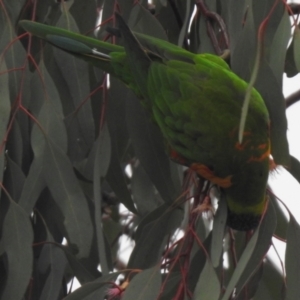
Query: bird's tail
[[91, 50]]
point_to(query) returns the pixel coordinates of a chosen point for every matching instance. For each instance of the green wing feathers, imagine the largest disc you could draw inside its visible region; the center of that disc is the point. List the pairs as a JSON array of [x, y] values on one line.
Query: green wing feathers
[[196, 101]]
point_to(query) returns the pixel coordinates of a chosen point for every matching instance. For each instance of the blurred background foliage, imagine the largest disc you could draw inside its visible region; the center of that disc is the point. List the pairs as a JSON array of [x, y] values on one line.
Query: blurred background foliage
[[82, 165]]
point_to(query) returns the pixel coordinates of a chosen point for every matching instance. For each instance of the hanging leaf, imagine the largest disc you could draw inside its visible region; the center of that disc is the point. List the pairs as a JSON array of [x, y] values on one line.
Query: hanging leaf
[[4, 112], [292, 260], [145, 285], [101, 165], [16, 243], [208, 289], [218, 233]]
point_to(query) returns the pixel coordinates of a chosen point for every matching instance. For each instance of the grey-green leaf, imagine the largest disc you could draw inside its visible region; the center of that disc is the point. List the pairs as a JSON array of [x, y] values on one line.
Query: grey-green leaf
[[16, 242], [144, 286], [292, 260]]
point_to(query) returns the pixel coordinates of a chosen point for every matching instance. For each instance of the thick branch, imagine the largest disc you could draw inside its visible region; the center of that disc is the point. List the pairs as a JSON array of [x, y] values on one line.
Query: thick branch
[[213, 17], [294, 9], [292, 99]]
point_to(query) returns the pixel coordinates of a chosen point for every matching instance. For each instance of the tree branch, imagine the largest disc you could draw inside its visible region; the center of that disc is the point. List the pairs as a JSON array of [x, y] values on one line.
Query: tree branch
[[292, 99], [294, 9], [214, 17]]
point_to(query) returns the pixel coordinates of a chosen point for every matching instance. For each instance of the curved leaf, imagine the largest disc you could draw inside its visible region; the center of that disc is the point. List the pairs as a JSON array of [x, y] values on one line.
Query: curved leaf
[[4, 111], [292, 260], [48, 143], [139, 21], [297, 47], [294, 168], [152, 235], [93, 290], [144, 286], [102, 159], [218, 233], [149, 147], [53, 262], [16, 242], [208, 289], [253, 254]]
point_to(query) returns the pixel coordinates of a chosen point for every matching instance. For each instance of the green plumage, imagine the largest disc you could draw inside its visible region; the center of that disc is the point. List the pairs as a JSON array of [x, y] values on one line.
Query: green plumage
[[196, 101]]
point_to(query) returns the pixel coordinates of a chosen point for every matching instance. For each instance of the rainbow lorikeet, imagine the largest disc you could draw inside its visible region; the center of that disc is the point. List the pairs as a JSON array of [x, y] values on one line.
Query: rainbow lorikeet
[[196, 101]]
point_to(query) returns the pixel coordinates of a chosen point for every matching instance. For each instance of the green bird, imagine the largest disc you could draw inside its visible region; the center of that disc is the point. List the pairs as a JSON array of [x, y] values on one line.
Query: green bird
[[196, 101]]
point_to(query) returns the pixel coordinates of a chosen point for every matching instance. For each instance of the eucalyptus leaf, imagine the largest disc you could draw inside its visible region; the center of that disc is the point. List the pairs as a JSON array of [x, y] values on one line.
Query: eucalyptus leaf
[[292, 260], [152, 236], [16, 242], [207, 289], [218, 233], [144, 286], [55, 269], [294, 168], [101, 165], [4, 110], [90, 290]]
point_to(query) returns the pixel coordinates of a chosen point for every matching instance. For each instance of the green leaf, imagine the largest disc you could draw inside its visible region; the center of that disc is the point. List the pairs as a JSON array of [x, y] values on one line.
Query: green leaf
[[14, 58], [271, 287], [169, 21], [266, 230], [292, 260], [243, 54], [151, 236], [163, 2], [101, 165], [198, 262], [143, 191], [218, 233], [76, 75], [208, 289], [85, 14], [116, 116], [93, 290], [64, 187], [206, 45], [280, 43], [245, 258], [144, 286], [13, 10], [282, 220], [116, 179], [14, 145], [16, 242], [253, 254], [271, 92], [233, 13], [170, 282], [43, 89], [33, 185], [250, 289], [294, 168], [297, 47], [14, 179], [4, 112], [52, 261], [291, 68], [139, 21], [80, 268], [149, 147], [116, 121], [49, 143], [112, 231]]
